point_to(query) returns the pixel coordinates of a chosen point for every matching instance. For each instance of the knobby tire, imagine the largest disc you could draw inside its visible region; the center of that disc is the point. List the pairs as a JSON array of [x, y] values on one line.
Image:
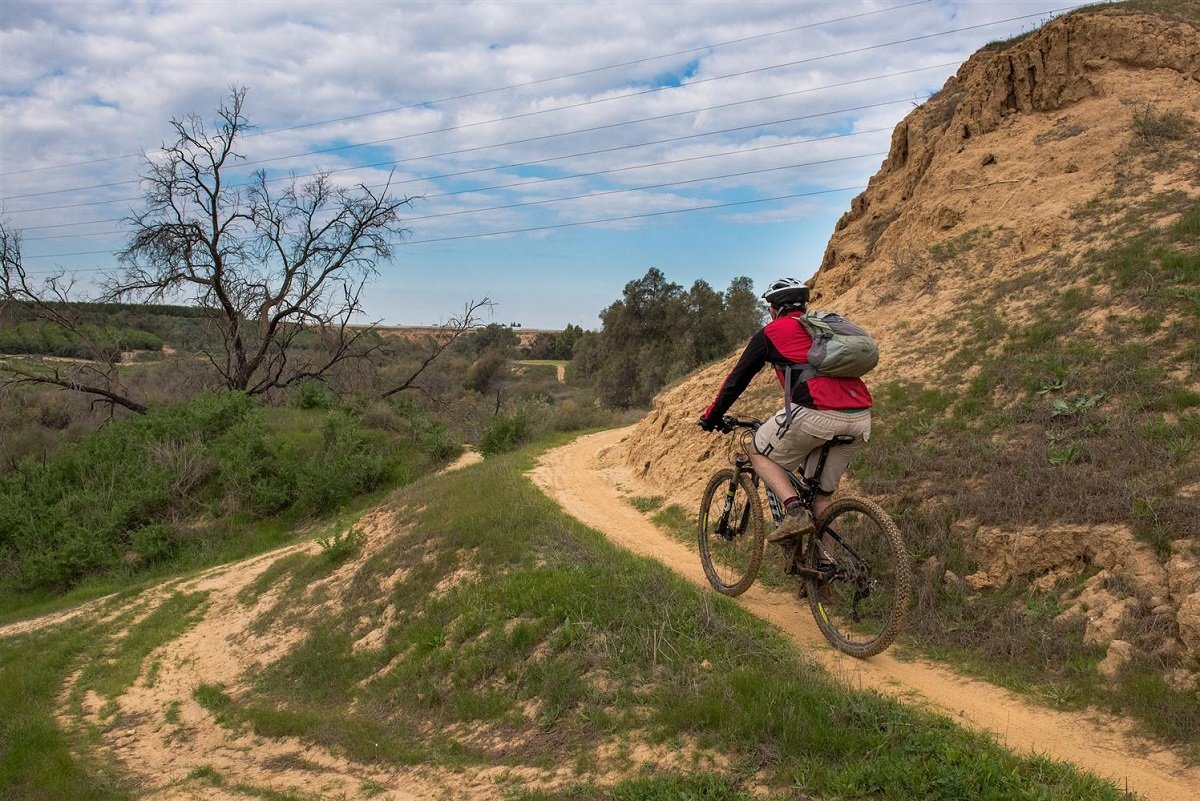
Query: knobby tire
[[863, 605], [731, 560]]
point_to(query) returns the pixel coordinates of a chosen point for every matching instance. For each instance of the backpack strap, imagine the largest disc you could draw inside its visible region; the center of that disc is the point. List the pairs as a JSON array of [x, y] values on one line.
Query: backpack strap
[[792, 372]]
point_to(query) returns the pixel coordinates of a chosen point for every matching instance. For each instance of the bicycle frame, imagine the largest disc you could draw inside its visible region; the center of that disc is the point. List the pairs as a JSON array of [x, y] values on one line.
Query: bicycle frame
[[806, 489], [838, 574]]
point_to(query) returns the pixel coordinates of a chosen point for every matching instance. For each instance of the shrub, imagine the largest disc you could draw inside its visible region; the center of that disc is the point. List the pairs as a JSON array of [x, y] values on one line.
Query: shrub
[[313, 395], [147, 490], [437, 441], [1152, 126], [342, 545], [345, 466], [506, 431]]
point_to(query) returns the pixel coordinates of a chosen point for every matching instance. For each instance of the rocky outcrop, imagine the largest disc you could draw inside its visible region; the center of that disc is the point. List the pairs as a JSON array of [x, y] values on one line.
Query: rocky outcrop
[[1062, 64]]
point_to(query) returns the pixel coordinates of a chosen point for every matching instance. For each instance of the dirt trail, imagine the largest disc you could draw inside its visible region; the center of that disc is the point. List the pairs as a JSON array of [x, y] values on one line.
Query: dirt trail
[[595, 492]]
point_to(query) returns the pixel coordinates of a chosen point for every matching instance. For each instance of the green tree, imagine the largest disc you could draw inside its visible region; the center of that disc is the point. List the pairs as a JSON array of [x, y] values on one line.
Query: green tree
[[563, 346], [492, 337], [743, 313], [657, 333]]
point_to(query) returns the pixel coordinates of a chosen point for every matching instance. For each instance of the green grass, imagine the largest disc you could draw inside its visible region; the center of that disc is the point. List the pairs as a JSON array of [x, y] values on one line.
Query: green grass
[[560, 639], [38, 761], [646, 504], [549, 639], [690, 787]]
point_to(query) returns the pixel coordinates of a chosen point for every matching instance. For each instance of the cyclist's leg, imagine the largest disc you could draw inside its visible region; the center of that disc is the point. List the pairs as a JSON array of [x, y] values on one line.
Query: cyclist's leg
[[781, 448], [823, 426]]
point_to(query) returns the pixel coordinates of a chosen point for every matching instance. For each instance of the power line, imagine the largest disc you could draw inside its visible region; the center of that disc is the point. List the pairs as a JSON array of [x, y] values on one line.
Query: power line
[[527, 140], [517, 184], [607, 192], [604, 193], [629, 216], [482, 92], [530, 229], [582, 104], [655, 118]]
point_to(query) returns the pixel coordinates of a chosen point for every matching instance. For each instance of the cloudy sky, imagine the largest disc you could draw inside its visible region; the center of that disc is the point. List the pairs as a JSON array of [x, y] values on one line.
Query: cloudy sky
[[554, 150]]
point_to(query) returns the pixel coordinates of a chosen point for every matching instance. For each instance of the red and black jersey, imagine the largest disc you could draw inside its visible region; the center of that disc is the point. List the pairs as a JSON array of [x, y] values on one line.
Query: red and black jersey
[[784, 340]]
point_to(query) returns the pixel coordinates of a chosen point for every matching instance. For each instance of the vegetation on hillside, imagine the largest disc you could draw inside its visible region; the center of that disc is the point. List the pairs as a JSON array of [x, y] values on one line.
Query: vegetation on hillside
[[188, 479], [1079, 407]]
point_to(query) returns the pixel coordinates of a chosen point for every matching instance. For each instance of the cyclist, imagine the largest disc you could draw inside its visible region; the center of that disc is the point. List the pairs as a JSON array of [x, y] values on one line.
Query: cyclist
[[819, 409]]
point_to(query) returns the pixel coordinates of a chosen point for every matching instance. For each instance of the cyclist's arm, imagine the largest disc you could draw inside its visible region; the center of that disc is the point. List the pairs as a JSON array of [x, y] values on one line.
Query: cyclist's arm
[[752, 360]]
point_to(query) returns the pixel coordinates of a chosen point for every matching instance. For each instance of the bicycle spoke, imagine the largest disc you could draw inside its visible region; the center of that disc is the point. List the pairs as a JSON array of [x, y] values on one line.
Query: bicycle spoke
[[731, 533], [863, 602]]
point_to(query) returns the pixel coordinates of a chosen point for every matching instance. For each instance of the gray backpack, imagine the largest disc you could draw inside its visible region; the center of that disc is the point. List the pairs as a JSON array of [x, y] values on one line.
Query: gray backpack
[[839, 349]]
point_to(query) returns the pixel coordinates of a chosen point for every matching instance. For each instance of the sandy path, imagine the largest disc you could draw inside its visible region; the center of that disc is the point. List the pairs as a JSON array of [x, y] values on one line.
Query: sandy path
[[595, 493]]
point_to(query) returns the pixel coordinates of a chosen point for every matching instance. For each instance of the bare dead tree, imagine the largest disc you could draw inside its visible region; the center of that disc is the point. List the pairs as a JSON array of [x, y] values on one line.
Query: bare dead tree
[[447, 334], [98, 374], [278, 265]]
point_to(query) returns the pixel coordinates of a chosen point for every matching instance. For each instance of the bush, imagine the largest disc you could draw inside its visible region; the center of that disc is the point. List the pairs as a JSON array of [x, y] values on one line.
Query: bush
[[505, 432], [437, 441], [1152, 126], [147, 490], [346, 466], [313, 395]]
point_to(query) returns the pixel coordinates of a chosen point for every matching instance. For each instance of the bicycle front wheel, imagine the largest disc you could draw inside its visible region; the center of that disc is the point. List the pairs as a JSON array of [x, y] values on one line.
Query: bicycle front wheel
[[731, 535], [861, 603]]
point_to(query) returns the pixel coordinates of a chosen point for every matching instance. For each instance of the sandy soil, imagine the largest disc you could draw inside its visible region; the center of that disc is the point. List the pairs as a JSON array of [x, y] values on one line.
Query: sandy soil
[[594, 490]]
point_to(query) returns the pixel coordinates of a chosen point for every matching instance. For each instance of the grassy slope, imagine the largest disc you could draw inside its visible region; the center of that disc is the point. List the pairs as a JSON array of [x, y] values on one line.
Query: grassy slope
[[551, 639], [200, 483], [1079, 411]]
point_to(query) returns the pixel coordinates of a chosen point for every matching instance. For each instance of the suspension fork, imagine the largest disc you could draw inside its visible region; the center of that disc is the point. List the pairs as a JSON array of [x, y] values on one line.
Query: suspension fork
[[741, 465]]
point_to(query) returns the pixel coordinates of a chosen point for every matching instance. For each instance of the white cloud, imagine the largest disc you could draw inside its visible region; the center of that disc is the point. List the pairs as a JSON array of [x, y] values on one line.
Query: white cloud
[[86, 82]]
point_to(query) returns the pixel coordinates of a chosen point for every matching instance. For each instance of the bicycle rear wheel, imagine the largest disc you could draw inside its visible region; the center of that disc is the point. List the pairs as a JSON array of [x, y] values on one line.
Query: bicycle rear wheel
[[731, 535], [862, 603]]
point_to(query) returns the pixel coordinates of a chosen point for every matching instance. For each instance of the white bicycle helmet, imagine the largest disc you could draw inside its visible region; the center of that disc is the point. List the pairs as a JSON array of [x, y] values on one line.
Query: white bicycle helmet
[[786, 293]]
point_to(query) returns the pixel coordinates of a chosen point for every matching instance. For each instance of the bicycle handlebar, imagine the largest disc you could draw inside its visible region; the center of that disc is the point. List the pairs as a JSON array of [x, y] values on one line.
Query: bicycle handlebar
[[729, 423]]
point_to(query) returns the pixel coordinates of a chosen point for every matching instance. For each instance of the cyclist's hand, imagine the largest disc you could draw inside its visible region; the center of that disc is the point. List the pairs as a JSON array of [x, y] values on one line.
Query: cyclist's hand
[[709, 424]]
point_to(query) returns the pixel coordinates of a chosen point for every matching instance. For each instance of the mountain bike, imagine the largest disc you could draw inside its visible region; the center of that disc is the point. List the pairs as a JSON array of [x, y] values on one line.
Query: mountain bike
[[853, 567]]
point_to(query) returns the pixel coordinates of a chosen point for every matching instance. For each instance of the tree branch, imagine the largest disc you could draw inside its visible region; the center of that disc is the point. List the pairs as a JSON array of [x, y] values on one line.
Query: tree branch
[[454, 329]]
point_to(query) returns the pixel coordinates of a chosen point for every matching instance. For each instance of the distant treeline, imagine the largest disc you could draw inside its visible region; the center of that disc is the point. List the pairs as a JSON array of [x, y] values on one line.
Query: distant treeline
[[104, 342], [103, 310], [103, 330], [658, 333]]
